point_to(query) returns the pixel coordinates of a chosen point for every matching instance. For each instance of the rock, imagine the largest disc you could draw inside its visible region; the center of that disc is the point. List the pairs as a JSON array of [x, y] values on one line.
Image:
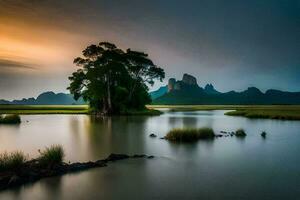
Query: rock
[[218, 135], [162, 138], [150, 157], [171, 84], [209, 89], [139, 156], [263, 134], [152, 135], [189, 79], [114, 157], [223, 132], [177, 85]]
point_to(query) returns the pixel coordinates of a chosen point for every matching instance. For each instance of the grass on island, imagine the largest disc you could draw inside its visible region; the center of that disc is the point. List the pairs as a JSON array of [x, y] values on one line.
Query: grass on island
[[190, 134], [240, 133], [51, 156], [11, 161], [285, 112], [10, 119]]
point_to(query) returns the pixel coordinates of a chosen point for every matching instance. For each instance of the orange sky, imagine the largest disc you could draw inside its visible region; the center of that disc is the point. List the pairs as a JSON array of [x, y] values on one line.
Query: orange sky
[[216, 42]]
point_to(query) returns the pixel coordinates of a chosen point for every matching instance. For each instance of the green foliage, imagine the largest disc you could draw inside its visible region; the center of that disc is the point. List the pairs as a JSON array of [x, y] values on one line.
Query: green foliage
[[52, 156], [240, 133], [11, 161], [113, 80], [190, 134], [10, 119]]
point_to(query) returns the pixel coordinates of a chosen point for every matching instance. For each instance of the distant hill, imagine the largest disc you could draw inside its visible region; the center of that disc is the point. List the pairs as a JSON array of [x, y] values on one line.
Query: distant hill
[[187, 91], [47, 98], [158, 93]]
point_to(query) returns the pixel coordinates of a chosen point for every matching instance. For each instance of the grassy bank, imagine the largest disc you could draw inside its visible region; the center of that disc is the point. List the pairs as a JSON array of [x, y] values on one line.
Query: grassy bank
[[16, 170], [283, 114], [63, 109], [190, 134], [286, 112], [44, 109]]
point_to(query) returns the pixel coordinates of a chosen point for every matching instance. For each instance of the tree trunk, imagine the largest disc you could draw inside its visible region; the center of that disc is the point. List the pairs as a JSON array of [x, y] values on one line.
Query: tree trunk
[[132, 90], [109, 104]]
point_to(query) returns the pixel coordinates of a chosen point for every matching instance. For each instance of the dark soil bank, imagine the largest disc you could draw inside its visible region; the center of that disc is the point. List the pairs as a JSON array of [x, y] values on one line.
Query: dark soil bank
[[31, 171]]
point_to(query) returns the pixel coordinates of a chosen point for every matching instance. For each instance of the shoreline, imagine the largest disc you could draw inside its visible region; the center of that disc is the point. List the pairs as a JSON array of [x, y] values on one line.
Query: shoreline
[[31, 172]]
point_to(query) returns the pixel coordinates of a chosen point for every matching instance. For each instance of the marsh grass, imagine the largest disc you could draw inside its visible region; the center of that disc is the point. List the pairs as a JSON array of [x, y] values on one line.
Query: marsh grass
[[10, 119], [240, 133], [190, 134], [12, 161], [283, 114], [51, 156]]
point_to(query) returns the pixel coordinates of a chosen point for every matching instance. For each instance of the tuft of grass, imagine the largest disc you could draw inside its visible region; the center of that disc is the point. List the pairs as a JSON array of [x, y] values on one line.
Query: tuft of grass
[[190, 134], [12, 161], [240, 133], [51, 156], [10, 119]]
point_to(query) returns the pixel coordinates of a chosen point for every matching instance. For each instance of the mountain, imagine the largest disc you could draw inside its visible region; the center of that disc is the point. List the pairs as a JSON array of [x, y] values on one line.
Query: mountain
[[158, 93], [47, 98], [187, 91]]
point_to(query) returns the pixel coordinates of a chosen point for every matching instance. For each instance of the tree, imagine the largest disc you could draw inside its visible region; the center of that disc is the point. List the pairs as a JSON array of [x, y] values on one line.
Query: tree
[[112, 80]]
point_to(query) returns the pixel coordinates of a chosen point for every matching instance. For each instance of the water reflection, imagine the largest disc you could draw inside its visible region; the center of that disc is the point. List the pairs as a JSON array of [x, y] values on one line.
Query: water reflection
[[251, 166]]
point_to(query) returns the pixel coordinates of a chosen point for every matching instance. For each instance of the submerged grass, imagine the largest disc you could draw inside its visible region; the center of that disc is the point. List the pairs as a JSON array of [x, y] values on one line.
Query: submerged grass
[[190, 134], [10, 119], [11, 161], [52, 156]]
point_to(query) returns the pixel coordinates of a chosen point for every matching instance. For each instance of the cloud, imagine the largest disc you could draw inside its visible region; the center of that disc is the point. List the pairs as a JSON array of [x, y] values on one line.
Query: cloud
[[7, 64]]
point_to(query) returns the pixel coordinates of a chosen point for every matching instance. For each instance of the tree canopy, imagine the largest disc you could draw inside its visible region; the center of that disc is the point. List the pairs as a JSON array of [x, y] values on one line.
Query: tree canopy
[[113, 80]]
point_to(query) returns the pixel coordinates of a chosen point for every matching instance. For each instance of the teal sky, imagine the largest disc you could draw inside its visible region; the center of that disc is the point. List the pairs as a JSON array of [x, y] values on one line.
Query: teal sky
[[233, 44]]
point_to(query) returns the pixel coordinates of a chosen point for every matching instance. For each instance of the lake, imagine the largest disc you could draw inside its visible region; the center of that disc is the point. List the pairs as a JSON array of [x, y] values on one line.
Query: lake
[[225, 168]]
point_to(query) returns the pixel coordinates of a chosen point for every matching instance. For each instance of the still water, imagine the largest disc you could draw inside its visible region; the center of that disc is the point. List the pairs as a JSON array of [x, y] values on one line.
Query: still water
[[226, 168]]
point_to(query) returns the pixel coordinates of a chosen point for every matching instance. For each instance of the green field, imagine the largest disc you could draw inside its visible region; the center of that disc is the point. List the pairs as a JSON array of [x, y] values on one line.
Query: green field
[[286, 112], [44, 109], [62, 109]]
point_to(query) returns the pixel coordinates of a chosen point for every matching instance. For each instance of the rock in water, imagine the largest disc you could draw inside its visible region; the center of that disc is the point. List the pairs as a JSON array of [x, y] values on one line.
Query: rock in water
[[263, 134], [152, 135]]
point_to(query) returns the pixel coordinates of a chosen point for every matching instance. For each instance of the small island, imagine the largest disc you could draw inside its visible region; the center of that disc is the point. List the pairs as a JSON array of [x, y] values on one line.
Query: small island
[[114, 81], [16, 170]]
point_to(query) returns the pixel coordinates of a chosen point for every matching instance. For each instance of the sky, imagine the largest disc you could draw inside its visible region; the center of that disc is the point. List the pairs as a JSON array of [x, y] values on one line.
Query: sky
[[233, 44]]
